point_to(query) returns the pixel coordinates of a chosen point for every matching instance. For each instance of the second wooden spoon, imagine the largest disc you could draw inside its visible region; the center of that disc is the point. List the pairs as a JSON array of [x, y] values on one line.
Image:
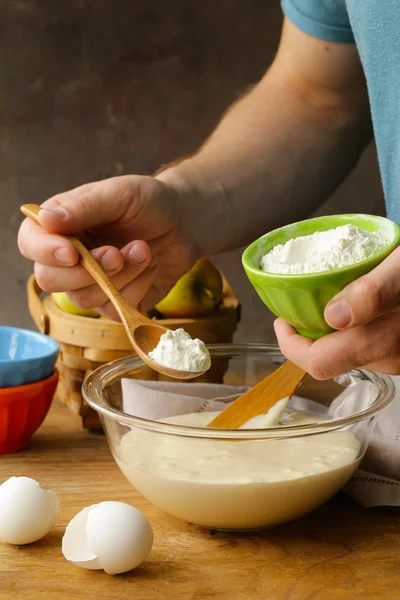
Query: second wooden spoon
[[143, 333], [282, 383]]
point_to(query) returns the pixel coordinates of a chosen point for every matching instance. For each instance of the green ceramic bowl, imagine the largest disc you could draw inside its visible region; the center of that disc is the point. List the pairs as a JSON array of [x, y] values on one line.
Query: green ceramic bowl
[[301, 299]]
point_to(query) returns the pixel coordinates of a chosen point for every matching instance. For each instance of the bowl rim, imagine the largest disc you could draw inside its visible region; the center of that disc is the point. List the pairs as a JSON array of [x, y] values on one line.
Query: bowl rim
[[50, 346], [20, 390], [246, 261], [91, 391]]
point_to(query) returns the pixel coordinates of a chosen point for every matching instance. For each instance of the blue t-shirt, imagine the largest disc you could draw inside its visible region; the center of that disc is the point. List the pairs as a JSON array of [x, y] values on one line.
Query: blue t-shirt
[[374, 25]]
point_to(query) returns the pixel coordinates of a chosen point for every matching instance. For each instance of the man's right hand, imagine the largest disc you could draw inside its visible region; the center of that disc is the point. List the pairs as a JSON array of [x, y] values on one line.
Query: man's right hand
[[135, 228]]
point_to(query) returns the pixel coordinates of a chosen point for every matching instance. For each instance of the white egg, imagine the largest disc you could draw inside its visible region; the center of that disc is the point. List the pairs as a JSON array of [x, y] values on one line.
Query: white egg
[[27, 513], [113, 536]]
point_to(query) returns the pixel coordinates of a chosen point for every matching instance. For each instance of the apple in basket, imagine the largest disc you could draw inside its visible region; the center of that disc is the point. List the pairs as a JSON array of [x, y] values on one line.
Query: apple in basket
[[62, 300], [196, 293]]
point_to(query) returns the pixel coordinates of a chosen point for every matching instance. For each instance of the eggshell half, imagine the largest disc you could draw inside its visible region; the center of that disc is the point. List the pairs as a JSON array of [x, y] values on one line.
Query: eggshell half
[[27, 513], [113, 536], [75, 545]]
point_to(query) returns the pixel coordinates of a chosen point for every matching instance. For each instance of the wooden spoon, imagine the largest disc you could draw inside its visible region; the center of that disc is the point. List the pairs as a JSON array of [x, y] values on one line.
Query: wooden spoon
[[143, 333], [282, 383]]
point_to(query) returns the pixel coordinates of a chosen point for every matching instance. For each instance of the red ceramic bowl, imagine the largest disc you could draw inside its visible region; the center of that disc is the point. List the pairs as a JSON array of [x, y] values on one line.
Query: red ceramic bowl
[[22, 411]]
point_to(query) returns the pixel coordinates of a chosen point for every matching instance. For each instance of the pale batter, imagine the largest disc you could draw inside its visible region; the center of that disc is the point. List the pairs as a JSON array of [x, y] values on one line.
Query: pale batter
[[237, 485]]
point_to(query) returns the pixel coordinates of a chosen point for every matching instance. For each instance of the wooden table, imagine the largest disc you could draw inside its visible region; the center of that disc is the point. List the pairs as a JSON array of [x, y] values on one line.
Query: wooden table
[[340, 551]]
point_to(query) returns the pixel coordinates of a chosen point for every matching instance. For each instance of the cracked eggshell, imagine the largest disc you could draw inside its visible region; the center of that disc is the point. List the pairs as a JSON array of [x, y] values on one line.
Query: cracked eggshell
[[113, 536], [27, 513]]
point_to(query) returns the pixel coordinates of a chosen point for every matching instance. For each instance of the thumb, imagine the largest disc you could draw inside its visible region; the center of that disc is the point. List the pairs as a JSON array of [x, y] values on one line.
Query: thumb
[[90, 205], [368, 297]]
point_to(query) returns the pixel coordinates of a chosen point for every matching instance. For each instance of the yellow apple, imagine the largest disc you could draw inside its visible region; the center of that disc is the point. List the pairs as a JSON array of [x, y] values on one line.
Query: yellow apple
[[196, 293], [62, 300]]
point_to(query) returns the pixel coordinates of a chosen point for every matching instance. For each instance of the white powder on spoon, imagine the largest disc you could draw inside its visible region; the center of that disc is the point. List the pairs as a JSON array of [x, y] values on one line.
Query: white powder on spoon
[[323, 251], [177, 350]]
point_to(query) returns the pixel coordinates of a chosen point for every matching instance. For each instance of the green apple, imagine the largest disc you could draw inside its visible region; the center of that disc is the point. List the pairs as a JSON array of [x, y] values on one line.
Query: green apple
[[62, 300], [196, 293]]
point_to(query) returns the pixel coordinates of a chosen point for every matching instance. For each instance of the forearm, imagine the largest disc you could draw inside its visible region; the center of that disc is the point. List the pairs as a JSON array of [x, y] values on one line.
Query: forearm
[[274, 158]]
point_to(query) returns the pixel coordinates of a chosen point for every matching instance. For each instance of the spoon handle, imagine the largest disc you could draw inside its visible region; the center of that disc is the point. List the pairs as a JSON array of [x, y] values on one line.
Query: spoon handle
[[124, 309]]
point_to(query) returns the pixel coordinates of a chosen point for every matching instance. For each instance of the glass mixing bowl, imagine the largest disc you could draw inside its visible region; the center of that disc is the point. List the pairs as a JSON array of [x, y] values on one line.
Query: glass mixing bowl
[[240, 479]]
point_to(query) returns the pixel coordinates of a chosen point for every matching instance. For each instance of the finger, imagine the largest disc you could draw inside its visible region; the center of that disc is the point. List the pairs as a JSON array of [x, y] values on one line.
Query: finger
[[91, 205], [294, 346], [60, 279], [341, 351], [134, 292], [137, 258], [36, 244], [368, 297]]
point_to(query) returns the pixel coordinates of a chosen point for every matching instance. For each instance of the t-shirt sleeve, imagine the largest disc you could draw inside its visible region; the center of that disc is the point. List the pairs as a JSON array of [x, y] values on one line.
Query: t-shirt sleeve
[[324, 19]]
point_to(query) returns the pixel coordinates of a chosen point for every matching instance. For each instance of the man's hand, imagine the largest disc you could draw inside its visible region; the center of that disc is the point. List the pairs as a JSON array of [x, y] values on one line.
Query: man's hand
[[367, 315], [135, 228]]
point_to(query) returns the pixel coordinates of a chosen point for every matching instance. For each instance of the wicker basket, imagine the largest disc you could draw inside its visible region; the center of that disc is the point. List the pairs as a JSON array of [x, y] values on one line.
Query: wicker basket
[[87, 343]]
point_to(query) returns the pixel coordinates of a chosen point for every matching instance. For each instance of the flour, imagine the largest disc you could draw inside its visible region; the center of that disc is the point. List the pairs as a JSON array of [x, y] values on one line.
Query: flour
[[177, 350], [323, 251]]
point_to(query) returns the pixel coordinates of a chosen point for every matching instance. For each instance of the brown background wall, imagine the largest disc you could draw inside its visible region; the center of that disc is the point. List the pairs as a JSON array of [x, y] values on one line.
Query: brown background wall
[[91, 89]]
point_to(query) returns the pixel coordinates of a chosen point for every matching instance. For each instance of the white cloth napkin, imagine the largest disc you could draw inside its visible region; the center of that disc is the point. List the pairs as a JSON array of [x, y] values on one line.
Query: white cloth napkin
[[376, 483], [160, 399]]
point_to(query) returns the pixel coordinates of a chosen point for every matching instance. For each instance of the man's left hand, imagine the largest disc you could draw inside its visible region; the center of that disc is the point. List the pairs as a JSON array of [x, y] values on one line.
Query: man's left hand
[[367, 316]]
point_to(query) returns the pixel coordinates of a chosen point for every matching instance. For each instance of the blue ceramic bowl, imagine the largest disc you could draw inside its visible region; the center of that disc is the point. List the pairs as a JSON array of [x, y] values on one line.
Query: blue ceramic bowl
[[25, 356]]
